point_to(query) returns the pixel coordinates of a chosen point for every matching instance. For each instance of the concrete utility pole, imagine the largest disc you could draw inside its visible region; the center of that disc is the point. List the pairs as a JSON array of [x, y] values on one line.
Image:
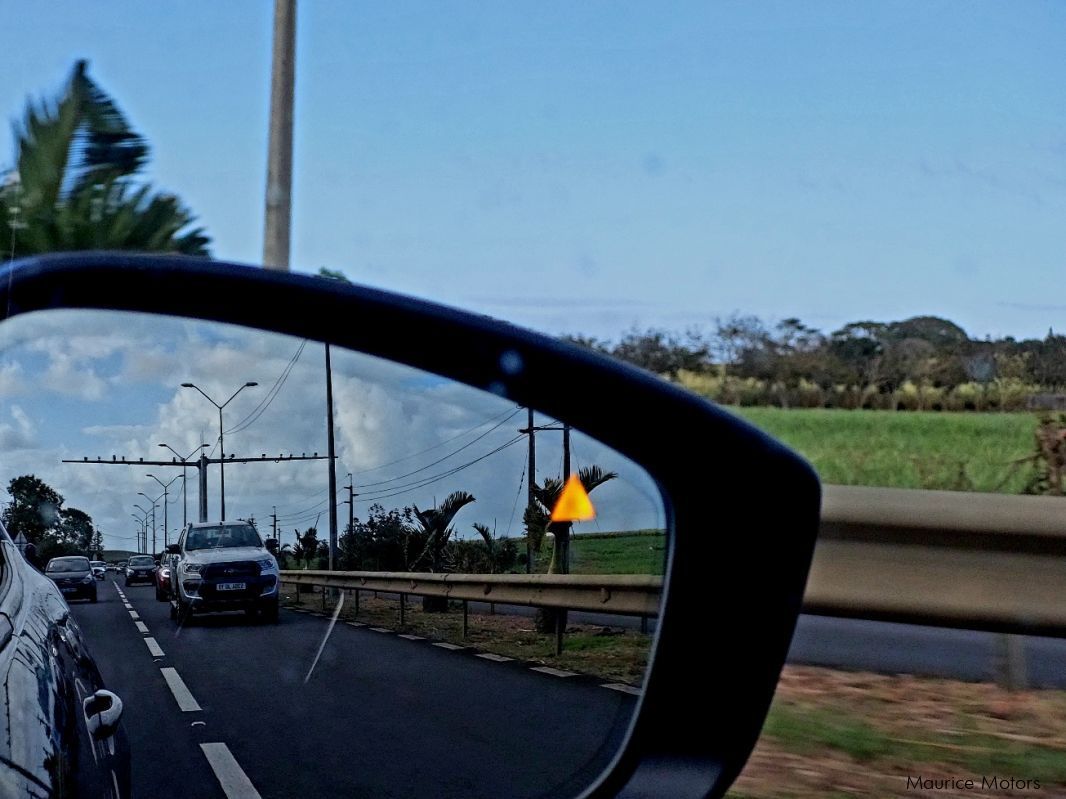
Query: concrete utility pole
[[532, 482], [274, 519], [276, 229], [351, 502], [530, 429]]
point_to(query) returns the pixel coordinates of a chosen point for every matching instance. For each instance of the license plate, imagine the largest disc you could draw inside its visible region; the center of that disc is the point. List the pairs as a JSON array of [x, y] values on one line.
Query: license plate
[[230, 586], [68, 590]]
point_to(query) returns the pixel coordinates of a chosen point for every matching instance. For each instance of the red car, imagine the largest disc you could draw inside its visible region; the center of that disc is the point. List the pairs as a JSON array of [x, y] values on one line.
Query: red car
[[163, 577]]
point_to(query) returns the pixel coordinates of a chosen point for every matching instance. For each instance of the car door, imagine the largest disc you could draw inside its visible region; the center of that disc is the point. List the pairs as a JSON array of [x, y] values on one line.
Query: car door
[[48, 743]]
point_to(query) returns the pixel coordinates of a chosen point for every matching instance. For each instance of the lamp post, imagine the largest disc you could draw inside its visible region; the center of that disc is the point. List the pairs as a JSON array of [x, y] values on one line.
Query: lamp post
[[154, 503], [145, 537], [166, 500], [221, 444], [184, 490]]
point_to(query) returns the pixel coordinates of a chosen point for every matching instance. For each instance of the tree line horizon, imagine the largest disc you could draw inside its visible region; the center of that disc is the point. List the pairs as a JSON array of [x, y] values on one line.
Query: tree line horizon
[[918, 363]]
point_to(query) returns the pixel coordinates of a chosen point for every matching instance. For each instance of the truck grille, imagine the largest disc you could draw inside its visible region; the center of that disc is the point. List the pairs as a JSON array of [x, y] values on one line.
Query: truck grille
[[227, 572]]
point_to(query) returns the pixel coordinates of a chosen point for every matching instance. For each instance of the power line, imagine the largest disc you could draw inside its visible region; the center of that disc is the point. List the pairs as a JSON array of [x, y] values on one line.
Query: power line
[[514, 508], [260, 409], [311, 509], [440, 460], [436, 478], [437, 445]]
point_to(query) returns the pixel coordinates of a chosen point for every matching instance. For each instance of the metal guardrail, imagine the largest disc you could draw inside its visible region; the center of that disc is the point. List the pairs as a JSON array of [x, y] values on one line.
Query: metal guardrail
[[955, 559], [626, 595]]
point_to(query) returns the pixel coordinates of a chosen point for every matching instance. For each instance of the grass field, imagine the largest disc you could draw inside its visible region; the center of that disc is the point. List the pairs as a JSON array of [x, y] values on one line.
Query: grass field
[[953, 451], [641, 552]]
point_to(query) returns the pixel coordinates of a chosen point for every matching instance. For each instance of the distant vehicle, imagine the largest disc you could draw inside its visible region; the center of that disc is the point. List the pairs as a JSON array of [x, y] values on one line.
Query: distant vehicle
[[99, 568], [223, 566], [163, 578], [73, 576], [140, 569], [121, 566]]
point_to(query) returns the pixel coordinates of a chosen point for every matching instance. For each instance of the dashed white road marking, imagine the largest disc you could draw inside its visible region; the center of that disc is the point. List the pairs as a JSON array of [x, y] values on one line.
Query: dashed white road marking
[[381, 629], [414, 637], [355, 624], [554, 672], [134, 615], [153, 647], [177, 686], [494, 657], [141, 626], [444, 645], [620, 686], [235, 783]]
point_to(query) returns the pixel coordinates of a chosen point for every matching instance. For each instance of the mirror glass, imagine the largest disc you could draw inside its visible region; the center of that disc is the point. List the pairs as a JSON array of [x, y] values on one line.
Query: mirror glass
[[122, 432]]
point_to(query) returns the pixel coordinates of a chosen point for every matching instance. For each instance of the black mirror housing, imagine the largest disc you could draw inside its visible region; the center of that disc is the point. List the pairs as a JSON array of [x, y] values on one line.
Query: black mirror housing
[[742, 511]]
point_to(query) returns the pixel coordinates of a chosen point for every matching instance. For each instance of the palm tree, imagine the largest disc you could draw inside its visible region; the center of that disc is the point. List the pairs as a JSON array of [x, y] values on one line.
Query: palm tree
[[73, 188], [435, 525], [546, 497]]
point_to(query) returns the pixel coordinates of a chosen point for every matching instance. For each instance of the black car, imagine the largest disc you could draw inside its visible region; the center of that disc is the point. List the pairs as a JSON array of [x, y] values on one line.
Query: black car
[[74, 577], [140, 569], [63, 734]]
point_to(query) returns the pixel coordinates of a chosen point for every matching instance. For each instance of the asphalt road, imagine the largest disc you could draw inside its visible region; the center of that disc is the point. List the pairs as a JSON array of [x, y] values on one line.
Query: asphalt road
[[228, 707], [932, 651], [890, 648]]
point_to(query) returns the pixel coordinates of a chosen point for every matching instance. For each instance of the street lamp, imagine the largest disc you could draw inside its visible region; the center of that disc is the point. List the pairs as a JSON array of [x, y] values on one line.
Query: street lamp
[[184, 490], [221, 444], [154, 503], [145, 512], [166, 500]]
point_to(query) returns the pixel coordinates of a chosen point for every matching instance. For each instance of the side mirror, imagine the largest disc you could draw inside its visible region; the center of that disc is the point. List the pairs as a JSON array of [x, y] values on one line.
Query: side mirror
[[102, 710], [457, 424], [174, 549]]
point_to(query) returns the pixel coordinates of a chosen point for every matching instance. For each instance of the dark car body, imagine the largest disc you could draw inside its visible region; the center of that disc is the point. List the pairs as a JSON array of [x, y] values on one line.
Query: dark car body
[[164, 577], [140, 569], [48, 677], [73, 576]]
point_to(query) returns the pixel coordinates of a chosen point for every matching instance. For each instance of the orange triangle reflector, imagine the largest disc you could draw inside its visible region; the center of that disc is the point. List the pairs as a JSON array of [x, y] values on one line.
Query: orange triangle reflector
[[574, 504]]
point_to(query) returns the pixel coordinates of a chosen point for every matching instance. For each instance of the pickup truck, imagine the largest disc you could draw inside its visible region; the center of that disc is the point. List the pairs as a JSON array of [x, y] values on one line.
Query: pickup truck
[[223, 566]]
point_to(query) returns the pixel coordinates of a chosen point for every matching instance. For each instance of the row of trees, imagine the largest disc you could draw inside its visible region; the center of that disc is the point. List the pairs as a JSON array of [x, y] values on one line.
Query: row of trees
[[36, 511], [920, 363]]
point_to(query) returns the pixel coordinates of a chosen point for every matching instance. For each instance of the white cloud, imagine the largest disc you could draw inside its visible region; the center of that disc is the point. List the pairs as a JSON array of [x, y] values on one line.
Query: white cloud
[[19, 435]]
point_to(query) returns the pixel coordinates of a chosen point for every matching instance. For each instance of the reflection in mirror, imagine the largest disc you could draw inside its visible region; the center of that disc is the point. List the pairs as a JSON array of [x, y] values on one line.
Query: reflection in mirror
[[456, 681]]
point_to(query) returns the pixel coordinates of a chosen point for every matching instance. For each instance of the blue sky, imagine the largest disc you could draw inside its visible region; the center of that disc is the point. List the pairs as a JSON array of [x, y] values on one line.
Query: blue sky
[[588, 167]]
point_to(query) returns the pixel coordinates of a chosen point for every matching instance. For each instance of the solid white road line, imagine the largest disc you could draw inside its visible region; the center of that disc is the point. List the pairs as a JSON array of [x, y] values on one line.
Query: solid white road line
[[625, 689], [494, 657], [153, 647], [141, 626], [554, 672], [235, 783], [184, 697]]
